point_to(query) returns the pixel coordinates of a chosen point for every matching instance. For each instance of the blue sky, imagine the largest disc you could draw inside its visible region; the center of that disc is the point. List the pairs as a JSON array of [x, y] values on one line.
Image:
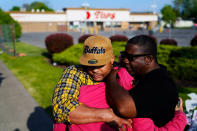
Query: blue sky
[[133, 5]]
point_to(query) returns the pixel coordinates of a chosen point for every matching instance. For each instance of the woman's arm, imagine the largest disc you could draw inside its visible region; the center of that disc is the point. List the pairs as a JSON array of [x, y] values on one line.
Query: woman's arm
[[178, 123]]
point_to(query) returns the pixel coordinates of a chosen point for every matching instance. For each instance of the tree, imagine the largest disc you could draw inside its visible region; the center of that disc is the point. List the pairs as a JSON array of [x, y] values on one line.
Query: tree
[[194, 9], [169, 15], [26, 6], [187, 9], [5, 18], [38, 5], [178, 4], [15, 8]]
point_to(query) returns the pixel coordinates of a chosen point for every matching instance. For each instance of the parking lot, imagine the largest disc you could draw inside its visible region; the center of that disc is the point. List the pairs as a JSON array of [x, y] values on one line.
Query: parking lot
[[182, 36]]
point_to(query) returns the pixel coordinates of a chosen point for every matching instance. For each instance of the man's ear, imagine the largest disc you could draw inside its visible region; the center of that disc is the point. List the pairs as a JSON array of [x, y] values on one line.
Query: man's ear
[[112, 60], [148, 59]]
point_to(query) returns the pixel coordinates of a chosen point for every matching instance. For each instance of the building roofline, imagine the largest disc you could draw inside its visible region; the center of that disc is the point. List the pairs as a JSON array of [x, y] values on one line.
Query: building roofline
[[142, 13], [29, 12], [83, 8]]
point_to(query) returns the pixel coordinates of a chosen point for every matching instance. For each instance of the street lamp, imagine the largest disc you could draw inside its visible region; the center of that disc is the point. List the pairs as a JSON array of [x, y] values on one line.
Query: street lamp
[[169, 35], [154, 6], [160, 22], [85, 5]]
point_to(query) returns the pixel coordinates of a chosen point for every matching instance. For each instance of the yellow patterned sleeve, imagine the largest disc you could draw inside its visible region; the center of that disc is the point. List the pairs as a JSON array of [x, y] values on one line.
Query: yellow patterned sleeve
[[66, 92]]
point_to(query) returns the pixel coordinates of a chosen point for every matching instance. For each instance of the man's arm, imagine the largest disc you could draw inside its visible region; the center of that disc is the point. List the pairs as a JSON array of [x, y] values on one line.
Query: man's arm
[[118, 98], [84, 114]]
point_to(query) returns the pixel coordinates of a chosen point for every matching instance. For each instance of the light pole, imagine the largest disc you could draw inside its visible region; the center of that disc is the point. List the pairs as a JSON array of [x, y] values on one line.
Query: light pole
[[112, 26], [169, 36], [85, 5], [154, 6]]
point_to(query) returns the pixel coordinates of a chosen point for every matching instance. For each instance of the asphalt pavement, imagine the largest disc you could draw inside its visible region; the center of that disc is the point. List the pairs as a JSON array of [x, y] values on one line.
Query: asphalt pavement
[[18, 110], [182, 36]]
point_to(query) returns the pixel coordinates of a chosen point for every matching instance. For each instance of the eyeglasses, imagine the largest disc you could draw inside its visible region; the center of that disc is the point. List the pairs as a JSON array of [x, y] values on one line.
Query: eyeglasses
[[130, 57]]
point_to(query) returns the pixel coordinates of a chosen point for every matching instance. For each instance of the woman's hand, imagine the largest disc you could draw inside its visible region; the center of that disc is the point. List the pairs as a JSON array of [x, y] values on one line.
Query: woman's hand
[[179, 106]]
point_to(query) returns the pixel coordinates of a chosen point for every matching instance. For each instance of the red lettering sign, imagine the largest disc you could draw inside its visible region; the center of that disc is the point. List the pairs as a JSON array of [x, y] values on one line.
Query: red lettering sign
[[87, 15], [101, 15]]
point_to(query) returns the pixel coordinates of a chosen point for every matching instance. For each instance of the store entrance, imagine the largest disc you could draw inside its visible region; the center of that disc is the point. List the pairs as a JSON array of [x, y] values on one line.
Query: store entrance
[[100, 25]]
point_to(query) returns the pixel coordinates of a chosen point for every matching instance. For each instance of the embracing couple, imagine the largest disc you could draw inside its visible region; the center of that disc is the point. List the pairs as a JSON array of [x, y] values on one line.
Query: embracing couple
[[136, 95]]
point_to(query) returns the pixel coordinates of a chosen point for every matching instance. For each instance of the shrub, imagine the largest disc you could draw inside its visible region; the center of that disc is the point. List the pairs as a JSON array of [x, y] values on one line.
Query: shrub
[[83, 38], [58, 42], [69, 56], [5, 18], [76, 51], [183, 68], [183, 63], [185, 52], [194, 41], [118, 38], [163, 54], [168, 42], [180, 61], [117, 47]]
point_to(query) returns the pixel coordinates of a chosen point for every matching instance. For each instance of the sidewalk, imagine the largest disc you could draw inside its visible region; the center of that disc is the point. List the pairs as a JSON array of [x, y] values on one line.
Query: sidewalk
[[18, 110]]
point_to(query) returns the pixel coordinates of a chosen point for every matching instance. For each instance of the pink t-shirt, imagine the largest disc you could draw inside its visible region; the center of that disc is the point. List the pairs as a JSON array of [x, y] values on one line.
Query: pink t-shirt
[[94, 96]]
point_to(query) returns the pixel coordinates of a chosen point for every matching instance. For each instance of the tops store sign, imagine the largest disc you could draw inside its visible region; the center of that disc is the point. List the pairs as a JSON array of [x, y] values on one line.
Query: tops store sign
[[98, 15]]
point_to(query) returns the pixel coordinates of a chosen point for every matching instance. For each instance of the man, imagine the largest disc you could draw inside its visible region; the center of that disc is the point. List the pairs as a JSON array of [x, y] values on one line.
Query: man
[[97, 61], [155, 94]]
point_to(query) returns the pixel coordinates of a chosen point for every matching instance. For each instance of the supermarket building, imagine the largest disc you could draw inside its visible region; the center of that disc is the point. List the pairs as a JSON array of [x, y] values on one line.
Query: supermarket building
[[76, 19]]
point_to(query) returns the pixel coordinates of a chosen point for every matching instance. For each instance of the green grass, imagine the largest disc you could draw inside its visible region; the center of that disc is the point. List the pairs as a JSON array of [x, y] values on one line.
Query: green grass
[[29, 49], [34, 72]]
